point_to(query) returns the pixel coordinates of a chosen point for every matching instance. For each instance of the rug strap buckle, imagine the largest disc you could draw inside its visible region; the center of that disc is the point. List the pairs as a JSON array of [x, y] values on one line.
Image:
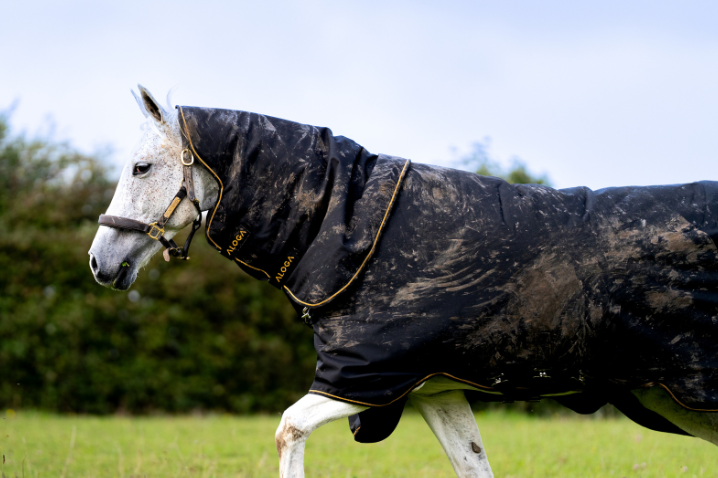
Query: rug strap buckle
[[306, 317]]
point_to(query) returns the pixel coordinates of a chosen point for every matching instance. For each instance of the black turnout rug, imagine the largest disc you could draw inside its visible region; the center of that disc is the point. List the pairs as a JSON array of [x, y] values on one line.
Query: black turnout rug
[[409, 271]]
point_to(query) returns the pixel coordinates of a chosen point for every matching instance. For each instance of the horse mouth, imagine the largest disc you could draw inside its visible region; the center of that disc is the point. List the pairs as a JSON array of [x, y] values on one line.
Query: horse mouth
[[124, 278], [120, 280]]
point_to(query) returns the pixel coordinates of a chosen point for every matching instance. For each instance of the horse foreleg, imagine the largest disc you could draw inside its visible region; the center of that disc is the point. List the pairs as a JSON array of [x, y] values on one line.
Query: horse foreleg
[[449, 416], [298, 421]]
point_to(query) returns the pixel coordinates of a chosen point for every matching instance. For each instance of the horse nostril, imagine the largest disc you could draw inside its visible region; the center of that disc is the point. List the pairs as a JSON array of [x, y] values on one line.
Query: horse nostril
[[93, 264]]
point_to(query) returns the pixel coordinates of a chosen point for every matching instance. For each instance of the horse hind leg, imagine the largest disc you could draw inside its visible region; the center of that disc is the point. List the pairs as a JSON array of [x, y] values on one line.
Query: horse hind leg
[[699, 424], [449, 416]]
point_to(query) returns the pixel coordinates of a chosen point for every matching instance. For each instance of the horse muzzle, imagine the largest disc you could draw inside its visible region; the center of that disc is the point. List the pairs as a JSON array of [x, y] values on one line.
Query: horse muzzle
[[113, 274]]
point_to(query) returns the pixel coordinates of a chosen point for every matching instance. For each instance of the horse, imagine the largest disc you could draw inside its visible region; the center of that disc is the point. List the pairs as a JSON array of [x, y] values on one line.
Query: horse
[[434, 286]]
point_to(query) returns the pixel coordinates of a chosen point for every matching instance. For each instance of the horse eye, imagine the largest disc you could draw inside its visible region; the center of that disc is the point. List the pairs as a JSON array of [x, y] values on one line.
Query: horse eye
[[141, 168]]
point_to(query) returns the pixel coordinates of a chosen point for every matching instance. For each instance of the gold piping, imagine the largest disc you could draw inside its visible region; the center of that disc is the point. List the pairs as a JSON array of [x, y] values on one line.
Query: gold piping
[[221, 191], [251, 267], [371, 251], [405, 393], [681, 403], [480, 387], [221, 186]]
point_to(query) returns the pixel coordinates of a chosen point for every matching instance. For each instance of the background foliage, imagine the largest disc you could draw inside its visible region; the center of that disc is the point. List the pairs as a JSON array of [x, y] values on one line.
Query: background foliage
[[479, 160], [202, 335], [189, 335]]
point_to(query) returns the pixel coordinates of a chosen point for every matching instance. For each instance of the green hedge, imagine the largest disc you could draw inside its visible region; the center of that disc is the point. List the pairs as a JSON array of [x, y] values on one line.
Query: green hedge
[[201, 335]]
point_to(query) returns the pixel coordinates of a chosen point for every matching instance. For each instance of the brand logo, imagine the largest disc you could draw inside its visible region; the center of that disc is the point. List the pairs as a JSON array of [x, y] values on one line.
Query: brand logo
[[284, 268], [236, 242]]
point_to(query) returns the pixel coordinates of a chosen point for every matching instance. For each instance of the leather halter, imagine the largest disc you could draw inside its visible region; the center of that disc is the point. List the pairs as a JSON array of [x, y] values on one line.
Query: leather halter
[[156, 230]]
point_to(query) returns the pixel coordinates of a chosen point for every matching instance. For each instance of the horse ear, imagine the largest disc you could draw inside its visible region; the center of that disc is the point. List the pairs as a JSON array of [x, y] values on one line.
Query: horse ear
[[151, 106], [140, 103]]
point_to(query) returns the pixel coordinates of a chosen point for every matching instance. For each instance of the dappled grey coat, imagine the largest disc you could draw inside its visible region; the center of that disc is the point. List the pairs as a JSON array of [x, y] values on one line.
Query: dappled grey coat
[[410, 270]]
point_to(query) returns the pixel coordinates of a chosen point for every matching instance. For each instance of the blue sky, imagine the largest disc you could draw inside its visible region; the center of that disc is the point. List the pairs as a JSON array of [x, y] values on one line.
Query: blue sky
[[607, 94]]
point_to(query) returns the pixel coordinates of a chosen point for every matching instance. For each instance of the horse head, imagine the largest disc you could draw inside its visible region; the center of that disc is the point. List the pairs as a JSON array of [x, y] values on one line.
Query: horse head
[[147, 192]]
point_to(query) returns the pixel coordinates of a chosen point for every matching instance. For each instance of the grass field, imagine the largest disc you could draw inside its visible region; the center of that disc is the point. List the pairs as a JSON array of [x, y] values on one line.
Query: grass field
[[38, 445]]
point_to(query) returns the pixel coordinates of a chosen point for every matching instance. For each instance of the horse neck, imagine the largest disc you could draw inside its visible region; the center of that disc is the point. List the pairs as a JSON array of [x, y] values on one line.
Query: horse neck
[[206, 187]]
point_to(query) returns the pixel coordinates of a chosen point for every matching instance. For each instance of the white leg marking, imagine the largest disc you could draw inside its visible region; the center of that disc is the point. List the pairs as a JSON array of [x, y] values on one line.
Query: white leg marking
[[699, 424], [301, 419], [449, 416]]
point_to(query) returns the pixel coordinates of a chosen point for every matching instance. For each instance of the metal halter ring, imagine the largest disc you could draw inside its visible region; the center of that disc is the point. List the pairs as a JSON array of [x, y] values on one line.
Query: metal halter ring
[[191, 157]]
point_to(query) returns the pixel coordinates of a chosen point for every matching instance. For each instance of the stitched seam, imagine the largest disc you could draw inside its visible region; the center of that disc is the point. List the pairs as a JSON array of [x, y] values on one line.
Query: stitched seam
[[371, 251]]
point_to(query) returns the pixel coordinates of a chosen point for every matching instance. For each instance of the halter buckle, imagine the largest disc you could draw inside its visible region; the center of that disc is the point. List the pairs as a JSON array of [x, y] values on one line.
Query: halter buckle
[[191, 157], [156, 232]]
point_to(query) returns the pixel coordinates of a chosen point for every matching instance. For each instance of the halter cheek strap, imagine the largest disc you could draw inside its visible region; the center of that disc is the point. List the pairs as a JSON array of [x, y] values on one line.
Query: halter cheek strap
[[156, 230]]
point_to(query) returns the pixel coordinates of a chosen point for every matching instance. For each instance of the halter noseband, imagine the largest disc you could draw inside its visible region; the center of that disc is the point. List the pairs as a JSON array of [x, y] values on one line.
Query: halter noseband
[[156, 230]]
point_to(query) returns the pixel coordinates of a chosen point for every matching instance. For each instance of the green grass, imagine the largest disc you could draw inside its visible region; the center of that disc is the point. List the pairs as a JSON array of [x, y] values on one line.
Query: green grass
[[39, 445]]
